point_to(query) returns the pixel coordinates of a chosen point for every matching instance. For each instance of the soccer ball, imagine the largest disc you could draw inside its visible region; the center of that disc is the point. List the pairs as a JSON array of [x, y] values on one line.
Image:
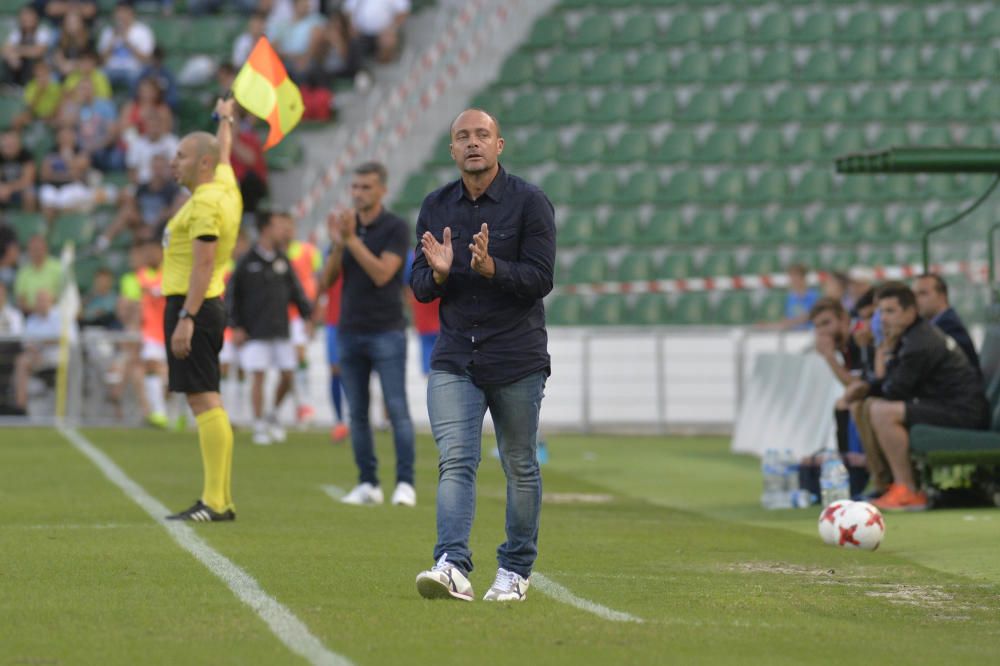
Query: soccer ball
[[828, 518], [860, 526]]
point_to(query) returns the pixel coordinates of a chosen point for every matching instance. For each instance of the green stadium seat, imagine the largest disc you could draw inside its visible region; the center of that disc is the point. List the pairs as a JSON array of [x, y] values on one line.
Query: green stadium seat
[[747, 105], [722, 145], [594, 31], [950, 104], [907, 225], [814, 186], [548, 31], [589, 268], [935, 136], [862, 27], [831, 105], [640, 188], [718, 263], [519, 68], [903, 65], [843, 259], [651, 67], [763, 262], [690, 308], [733, 309], [980, 64], [950, 26], [579, 229], [848, 140], [208, 34], [613, 107], [10, 106], [728, 29], [748, 226], [774, 27], [944, 64], [417, 186], [914, 104], [676, 267], [817, 27], [831, 226], [491, 100], [684, 28], [632, 146], [806, 145], [570, 107], [565, 310], [808, 257], [694, 67], [658, 106], [774, 66], [986, 104], [765, 145], [621, 228], [595, 189], [441, 153], [703, 106], [663, 228], [636, 267], [873, 104], [24, 224], [856, 189], [607, 68], [608, 310], [678, 146], [729, 187], [862, 65], [637, 30], [564, 70], [908, 26], [790, 104], [789, 226], [822, 65], [588, 146], [771, 308], [709, 227], [871, 226], [537, 148], [978, 136], [78, 228], [770, 188], [942, 186], [167, 30], [880, 258], [527, 109], [558, 187], [898, 187], [892, 136], [988, 25], [649, 309], [733, 66]]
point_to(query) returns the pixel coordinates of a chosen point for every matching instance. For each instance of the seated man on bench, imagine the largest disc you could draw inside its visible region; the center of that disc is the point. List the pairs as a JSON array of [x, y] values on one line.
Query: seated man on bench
[[928, 380]]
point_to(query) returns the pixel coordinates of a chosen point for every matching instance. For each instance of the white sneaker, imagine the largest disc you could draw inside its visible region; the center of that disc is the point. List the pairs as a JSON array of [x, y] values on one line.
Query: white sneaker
[[444, 580], [364, 493], [261, 435], [278, 435], [404, 495], [508, 586]]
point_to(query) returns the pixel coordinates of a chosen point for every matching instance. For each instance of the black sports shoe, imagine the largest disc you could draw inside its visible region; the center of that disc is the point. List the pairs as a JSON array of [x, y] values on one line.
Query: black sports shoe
[[200, 513]]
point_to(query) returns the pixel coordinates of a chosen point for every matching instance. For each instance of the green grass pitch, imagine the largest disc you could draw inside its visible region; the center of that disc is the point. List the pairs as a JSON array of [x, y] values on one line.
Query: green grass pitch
[[670, 532]]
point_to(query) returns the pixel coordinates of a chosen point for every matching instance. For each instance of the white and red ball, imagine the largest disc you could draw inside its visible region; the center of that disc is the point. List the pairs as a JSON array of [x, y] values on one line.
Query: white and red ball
[[860, 526], [828, 518]]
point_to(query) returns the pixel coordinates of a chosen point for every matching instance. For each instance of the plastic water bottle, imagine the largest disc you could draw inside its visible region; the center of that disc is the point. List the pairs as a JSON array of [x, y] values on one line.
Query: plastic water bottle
[[834, 483], [794, 497], [773, 472]]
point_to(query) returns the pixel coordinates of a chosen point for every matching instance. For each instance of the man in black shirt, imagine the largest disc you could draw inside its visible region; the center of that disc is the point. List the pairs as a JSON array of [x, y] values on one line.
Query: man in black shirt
[[928, 380], [487, 250], [932, 303], [369, 245], [258, 294]]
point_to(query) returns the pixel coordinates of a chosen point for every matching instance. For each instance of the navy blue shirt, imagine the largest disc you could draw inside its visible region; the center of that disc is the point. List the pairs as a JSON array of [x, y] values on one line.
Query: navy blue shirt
[[364, 306], [493, 329]]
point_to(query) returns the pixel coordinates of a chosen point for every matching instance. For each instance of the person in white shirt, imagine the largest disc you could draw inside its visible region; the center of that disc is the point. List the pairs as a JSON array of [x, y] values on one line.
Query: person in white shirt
[[11, 319], [42, 329], [28, 42], [377, 23], [126, 46], [144, 147]]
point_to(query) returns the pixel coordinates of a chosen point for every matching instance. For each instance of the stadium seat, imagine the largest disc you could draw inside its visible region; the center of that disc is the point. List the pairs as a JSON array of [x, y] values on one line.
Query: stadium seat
[[537, 148], [665, 227], [872, 105], [621, 228], [578, 230], [822, 65], [568, 108], [986, 104], [565, 310], [676, 267], [558, 187], [856, 189], [694, 67], [790, 104], [950, 26], [789, 226], [207, 34], [595, 188], [903, 65], [733, 66], [981, 63], [548, 31], [831, 105], [769, 188], [774, 28], [656, 107], [777, 65], [683, 187], [861, 27], [588, 146], [944, 64], [683, 28], [729, 29], [978, 136], [806, 145], [649, 309], [748, 226], [677, 146], [78, 228], [907, 225], [817, 27], [417, 186], [588, 268], [843, 260], [747, 105], [812, 186], [729, 187], [527, 108], [594, 31], [703, 106], [722, 145], [641, 187], [607, 68], [637, 30], [892, 136], [908, 26], [733, 309], [988, 25], [763, 262], [632, 146], [935, 136], [871, 226], [608, 310], [848, 140], [718, 263], [951, 103], [690, 308], [771, 308], [25, 225], [636, 267], [441, 154], [614, 106], [709, 227], [880, 257], [897, 187], [651, 67], [765, 145], [862, 65], [564, 70]]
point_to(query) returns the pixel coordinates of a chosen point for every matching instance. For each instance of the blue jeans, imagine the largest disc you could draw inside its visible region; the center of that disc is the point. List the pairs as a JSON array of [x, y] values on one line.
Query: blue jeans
[[456, 407], [360, 353]]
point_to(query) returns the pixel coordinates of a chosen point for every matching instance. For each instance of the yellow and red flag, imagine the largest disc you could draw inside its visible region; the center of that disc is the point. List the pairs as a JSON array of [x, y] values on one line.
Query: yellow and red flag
[[263, 88]]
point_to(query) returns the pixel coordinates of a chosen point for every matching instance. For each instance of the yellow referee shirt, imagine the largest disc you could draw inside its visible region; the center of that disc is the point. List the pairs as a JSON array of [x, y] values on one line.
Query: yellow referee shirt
[[214, 209]]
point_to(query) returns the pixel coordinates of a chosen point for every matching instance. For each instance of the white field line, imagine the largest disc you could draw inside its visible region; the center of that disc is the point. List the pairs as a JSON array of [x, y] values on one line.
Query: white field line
[[553, 589], [335, 492], [289, 629]]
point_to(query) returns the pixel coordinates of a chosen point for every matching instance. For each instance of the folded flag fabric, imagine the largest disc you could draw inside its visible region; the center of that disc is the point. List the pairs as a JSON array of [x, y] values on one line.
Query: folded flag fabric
[[263, 88]]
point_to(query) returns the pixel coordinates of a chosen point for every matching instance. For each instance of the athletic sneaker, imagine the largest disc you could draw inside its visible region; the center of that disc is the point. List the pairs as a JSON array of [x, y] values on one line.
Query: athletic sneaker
[[261, 434], [404, 495], [364, 493], [444, 580], [157, 420], [901, 498], [339, 433], [508, 586], [277, 432], [200, 513], [304, 414]]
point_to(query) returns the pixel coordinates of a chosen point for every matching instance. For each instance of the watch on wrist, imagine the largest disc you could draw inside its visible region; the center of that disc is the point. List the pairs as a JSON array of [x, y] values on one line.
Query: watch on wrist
[[184, 314]]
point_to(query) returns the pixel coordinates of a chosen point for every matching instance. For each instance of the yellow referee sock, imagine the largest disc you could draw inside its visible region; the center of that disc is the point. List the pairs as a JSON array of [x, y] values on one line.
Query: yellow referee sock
[[215, 435]]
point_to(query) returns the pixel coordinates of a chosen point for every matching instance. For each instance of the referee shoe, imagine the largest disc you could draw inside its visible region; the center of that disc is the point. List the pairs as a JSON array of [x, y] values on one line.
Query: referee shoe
[[201, 513]]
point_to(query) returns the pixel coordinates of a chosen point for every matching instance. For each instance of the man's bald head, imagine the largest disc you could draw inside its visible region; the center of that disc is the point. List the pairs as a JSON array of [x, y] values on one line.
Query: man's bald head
[[204, 145], [197, 156], [476, 143], [473, 111]]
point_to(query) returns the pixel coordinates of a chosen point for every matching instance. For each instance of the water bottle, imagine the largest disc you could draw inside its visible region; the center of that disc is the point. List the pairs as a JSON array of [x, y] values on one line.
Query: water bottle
[[834, 483], [774, 482], [794, 497]]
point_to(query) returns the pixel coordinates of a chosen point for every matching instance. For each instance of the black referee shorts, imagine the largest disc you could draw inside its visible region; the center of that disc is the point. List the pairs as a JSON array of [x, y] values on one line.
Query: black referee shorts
[[199, 372]]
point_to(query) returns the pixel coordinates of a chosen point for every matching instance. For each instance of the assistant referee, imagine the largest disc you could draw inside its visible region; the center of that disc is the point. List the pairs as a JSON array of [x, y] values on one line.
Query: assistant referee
[[198, 243]]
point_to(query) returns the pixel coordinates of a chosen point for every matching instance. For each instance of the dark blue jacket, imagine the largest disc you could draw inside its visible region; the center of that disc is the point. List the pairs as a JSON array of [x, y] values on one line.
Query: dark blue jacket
[[951, 324]]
